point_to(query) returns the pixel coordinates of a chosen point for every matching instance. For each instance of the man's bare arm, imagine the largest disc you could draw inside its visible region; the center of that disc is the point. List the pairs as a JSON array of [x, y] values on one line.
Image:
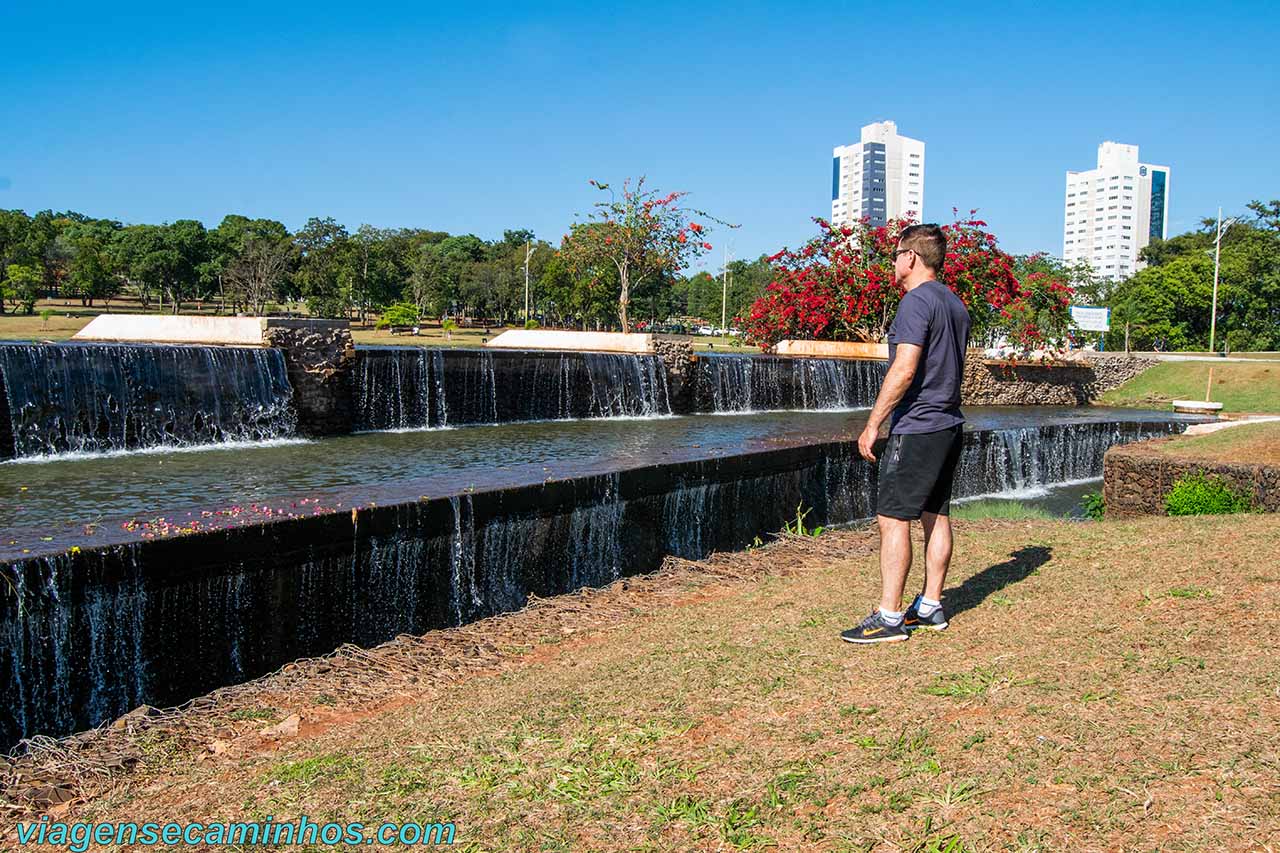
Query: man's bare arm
[[896, 382]]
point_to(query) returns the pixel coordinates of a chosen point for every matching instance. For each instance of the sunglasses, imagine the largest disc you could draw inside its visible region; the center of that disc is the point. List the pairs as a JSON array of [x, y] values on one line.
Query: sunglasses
[[900, 251]]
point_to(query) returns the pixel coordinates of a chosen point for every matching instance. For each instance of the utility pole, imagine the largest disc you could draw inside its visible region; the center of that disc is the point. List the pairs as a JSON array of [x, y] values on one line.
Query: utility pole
[[528, 252], [724, 290], [1217, 254]]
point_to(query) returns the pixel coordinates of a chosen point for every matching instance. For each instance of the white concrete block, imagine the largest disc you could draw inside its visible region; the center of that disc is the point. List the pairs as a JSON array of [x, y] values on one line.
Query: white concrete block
[[554, 339], [177, 329]]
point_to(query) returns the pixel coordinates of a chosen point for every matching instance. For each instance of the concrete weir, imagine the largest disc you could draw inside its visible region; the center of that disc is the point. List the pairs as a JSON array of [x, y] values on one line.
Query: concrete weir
[[89, 632]]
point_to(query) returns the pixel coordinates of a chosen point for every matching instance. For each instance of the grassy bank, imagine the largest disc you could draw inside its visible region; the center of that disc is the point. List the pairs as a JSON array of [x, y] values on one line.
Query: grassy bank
[[1247, 443], [1096, 691], [1239, 387]]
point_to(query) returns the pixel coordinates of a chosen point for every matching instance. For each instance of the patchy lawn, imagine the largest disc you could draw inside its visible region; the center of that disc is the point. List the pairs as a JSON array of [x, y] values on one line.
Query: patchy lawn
[[1239, 387], [1257, 444], [1098, 690]]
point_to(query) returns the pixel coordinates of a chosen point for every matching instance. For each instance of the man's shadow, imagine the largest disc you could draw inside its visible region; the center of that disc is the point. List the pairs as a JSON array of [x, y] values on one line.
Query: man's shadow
[[975, 589]]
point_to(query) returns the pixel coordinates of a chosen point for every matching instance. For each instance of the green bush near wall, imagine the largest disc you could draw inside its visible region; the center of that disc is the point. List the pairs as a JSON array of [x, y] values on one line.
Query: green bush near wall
[[1197, 494]]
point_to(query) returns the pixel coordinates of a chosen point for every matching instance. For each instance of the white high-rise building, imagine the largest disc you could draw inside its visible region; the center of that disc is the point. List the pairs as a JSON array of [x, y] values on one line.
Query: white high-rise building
[[880, 177], [1114, 210]]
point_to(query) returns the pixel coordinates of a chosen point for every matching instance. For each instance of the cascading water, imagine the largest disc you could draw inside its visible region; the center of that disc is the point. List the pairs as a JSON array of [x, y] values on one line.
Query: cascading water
[[86, 637], [752, 383], [414, 388], [393, 389], [68, 398], [1014, 461], [595, 536], [72, 651]]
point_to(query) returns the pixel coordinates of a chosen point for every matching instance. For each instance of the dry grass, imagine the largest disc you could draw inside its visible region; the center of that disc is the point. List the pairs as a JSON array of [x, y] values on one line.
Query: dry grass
[[1098, 690], [1257, 444]]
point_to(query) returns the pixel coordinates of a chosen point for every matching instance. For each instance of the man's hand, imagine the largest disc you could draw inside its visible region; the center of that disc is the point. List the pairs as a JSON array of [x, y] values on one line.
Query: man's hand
[[867, 441]]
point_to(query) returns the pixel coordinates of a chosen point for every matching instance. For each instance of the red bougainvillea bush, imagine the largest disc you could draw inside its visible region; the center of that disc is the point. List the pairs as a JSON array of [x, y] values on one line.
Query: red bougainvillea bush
[[839, 286]]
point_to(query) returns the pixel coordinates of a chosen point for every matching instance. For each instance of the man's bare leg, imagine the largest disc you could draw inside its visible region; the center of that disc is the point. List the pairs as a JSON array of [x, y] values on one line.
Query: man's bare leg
[[895, 561], [937, 553]]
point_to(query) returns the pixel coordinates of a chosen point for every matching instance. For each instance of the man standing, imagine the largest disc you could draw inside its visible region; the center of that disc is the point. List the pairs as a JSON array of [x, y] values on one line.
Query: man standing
[[927, 343]]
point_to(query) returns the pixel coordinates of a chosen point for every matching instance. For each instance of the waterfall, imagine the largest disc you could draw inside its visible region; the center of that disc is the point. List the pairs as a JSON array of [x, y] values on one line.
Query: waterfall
[[416, 388], [1028, 459], [72, 651], [86, 398], [86, 637], [464, 594], [753, 383], [595, 537], [393, 390]]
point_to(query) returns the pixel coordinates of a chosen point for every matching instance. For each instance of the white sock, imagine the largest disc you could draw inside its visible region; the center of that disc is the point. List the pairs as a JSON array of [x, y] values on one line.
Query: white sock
[[890, 616], [926, 606]]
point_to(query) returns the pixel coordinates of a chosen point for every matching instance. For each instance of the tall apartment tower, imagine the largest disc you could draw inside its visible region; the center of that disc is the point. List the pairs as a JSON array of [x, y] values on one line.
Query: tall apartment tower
[[880, 177], [1114, 210]]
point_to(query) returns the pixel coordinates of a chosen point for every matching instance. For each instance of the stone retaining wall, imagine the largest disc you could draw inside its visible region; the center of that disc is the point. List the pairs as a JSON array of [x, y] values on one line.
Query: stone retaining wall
[[1136, 477], [989, 383], [320, 356], [677, 357]]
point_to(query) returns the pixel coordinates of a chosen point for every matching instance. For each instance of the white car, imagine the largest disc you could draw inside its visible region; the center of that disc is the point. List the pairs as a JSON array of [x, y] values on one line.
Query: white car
[[705, 330]]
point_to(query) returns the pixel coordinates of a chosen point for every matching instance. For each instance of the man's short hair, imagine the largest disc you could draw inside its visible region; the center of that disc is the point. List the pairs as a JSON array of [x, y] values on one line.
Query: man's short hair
[[928, 242]]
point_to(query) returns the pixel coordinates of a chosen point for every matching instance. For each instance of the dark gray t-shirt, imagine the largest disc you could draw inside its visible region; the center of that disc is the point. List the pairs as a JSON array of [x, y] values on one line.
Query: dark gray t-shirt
[[934, 318]]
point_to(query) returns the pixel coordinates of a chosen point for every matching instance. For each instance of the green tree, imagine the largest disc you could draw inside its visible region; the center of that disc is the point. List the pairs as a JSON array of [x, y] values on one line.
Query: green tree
[[639, 234], [324, 276], [244, 261], [91, 276], [1168, 304], [22, 284], [378, 277], [164, 259], [1170, 301]]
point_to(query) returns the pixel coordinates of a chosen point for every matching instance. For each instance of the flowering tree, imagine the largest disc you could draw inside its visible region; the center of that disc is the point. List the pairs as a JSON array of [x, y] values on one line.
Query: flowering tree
[[632, 237], [840, 286]]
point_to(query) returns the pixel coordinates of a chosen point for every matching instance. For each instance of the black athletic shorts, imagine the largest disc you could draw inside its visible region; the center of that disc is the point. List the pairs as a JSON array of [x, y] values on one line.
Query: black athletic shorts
[[916, 473]]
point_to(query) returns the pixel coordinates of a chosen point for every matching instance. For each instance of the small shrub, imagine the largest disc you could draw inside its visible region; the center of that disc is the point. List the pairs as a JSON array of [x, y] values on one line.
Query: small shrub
[[531, 323], [399, 314], [1093, 506], [1198, 494], [797, 528]]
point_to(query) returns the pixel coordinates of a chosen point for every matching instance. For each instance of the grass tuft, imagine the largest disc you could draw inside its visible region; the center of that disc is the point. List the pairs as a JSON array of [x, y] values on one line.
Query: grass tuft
[[997, 509]]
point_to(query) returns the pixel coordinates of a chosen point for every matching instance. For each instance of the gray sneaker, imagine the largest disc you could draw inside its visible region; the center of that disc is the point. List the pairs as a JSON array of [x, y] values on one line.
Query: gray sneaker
[[936, 621], [874, 629]]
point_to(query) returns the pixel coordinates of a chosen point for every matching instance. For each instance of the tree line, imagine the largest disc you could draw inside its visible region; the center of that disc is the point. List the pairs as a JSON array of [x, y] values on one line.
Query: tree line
[[247, 265], [1169, 303]]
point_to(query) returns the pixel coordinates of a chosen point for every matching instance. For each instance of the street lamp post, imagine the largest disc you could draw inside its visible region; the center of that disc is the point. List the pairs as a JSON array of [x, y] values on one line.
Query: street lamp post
[[724, 290], [1217, 254], [528, 252]]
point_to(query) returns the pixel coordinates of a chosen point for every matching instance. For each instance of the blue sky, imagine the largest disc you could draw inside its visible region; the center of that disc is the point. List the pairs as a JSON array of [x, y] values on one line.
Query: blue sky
[[484, 116]]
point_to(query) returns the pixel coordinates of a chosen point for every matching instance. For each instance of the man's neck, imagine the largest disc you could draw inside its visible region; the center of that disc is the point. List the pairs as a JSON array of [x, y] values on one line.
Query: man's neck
[[913, 282]]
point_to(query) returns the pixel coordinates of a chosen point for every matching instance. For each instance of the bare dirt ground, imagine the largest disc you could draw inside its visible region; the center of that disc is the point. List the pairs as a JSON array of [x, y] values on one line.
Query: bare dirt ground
[[1104, 686]]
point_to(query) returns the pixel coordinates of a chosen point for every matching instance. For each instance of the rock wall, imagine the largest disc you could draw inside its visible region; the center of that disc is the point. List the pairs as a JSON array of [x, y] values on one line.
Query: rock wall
[[1136, 477], [320, 357], [677, 356], [989, 383]]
